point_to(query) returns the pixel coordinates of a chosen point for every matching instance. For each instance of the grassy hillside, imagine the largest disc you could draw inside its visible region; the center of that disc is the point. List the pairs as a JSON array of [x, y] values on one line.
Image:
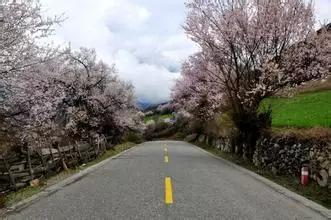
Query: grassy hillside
[[303, 110], [157, 117]]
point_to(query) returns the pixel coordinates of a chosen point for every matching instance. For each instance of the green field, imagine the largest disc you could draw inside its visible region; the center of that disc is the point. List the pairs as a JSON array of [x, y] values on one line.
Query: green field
[[157, 117], [304, 110]]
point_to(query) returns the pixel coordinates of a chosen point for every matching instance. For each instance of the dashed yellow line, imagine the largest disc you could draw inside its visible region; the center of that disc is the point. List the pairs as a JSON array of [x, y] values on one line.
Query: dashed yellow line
[[168, 191], [166, 159]]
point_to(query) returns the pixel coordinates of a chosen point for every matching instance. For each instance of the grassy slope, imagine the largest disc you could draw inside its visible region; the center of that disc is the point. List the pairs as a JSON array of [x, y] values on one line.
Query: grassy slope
[[303, 110], [156, 117]]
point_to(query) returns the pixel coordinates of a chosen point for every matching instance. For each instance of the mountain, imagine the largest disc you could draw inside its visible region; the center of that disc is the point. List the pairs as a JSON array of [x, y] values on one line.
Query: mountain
[[143, 105], [147, 106]]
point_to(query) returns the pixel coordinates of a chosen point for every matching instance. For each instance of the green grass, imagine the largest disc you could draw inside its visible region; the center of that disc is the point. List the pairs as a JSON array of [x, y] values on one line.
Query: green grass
[[313, 191], [303, 111], [26, 192], [157, 117]]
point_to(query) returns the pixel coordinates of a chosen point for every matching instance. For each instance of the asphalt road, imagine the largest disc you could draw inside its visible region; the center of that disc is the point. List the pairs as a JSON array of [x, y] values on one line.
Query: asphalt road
[[199, 186]]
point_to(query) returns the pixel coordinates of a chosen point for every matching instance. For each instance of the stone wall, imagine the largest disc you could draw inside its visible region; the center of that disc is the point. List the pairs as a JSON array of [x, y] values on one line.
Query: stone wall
[[285, 155]]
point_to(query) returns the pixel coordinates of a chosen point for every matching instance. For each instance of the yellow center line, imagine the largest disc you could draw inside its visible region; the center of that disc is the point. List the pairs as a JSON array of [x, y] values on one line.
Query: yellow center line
[[166, 150], [168, 191], [166, 159]]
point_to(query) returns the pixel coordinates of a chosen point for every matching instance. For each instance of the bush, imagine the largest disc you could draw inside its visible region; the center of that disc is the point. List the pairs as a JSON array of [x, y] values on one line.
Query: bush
[[133, 137], [180, 135], [158, 130]]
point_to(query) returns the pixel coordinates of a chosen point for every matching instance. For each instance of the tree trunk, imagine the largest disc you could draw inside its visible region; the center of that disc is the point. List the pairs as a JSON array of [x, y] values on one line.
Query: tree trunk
[[250, 127]]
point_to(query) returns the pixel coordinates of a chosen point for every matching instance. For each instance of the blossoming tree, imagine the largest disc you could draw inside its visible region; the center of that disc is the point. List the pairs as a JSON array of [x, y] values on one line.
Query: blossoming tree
[[197, 91], [47, 92], [255, 48]]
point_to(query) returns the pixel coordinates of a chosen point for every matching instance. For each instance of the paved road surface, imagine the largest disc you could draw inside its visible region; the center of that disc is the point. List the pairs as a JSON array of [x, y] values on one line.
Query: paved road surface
[[133, 187]]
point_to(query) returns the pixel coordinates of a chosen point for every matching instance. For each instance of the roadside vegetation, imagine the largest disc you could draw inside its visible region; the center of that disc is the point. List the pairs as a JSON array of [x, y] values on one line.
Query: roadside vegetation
[[59, 106], [243, 62]]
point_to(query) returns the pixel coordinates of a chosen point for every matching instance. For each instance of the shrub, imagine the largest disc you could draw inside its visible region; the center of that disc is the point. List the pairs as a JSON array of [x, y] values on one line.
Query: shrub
[[133, 137]]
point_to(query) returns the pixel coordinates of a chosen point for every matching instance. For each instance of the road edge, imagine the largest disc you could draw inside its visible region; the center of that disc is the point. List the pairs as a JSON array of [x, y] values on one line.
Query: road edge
[[58, 186], [278, 188]]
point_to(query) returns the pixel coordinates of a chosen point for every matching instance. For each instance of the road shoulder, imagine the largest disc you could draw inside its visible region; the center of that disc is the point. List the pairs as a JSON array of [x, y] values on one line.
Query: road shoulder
[[60, 185], [280, 189]]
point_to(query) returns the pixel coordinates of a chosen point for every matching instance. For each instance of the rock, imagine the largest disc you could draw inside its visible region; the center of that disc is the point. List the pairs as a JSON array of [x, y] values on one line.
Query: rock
[[35, 183], [322, 179]]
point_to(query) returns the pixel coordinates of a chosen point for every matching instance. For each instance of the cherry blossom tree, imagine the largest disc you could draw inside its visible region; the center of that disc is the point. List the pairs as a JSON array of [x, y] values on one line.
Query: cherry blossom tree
[[254, 50], [96, 99], [197, 91], [22, 28], [73, 96], [48, 92]]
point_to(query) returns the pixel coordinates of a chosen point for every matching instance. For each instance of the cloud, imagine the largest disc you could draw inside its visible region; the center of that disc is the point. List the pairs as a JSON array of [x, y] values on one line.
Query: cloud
[[322, 10], [152, 82], [143, 37], [123, 15]]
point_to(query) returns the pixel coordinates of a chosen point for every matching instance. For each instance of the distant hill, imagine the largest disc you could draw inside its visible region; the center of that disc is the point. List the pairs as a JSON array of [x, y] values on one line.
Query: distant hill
[[147, 106], [143, 105]]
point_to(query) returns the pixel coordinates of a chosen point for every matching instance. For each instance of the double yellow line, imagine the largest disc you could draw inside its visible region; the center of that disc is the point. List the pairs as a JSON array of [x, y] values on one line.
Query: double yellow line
[[167, 182]]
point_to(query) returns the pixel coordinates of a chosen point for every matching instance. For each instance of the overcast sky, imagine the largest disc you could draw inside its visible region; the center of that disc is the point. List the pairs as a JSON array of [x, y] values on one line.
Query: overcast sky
[[143, 38]]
